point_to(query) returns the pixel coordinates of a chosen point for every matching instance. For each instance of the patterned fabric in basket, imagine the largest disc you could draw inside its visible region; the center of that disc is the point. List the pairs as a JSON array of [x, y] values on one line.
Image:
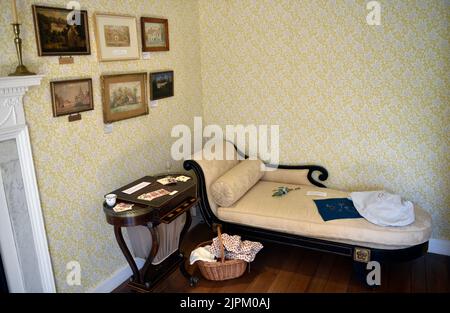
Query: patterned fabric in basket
[[235, 248]]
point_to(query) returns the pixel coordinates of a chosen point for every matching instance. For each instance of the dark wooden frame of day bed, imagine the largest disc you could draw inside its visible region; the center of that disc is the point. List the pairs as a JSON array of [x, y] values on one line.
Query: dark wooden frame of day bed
[[361, 255]]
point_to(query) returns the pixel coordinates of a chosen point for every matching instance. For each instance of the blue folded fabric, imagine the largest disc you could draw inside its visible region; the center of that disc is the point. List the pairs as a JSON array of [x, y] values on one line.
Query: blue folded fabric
[[333, 209]]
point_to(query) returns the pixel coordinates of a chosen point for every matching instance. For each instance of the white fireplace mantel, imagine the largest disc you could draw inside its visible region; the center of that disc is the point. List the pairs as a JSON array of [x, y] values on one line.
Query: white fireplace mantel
[[12, 90], [13, 126]]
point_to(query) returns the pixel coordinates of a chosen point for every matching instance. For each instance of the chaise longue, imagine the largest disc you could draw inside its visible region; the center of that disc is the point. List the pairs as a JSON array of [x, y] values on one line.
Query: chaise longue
[[248, 209]]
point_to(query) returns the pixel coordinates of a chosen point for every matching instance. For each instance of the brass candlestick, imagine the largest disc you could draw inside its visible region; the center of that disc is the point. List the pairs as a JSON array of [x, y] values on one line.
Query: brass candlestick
[[21, 69]]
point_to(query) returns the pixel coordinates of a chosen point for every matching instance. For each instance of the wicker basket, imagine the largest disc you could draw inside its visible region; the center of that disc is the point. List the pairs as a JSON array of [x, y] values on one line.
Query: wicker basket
[[223, 269]]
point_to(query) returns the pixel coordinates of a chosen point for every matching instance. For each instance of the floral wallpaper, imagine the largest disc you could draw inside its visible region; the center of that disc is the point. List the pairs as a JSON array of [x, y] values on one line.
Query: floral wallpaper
[[77, 163], [370, 103]]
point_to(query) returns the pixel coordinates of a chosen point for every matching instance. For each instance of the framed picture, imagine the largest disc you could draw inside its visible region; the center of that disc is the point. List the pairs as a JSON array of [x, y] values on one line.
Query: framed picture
[[71, 96], [155, 34], [161, 85], [117, 37], [124, 96], [54, 35]]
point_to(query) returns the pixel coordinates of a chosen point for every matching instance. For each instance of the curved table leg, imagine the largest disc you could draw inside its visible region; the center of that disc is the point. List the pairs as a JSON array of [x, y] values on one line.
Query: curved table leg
[[187, 224], [153, 251], [126, 252], [192, 279]]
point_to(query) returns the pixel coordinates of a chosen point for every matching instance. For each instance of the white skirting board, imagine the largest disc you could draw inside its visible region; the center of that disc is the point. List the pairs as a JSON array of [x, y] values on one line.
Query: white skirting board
[[117, 278], [439, 246]]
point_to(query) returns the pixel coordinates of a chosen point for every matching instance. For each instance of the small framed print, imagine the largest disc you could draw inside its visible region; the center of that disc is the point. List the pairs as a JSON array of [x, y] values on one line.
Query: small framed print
[[161, 85], [71, 96], [55, 36], [155, 34], [124, 96], [117, 37]]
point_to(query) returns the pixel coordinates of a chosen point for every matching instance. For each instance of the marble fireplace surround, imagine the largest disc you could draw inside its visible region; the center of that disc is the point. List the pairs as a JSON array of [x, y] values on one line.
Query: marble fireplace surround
[[23, 240]]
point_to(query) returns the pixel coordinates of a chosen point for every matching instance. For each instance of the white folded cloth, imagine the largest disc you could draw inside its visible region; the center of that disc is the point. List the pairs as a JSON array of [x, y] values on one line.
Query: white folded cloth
[[383, 208], [202, 254]]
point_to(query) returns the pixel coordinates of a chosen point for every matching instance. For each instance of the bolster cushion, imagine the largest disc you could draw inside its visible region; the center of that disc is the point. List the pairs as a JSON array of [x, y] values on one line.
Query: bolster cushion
[[231, 186]]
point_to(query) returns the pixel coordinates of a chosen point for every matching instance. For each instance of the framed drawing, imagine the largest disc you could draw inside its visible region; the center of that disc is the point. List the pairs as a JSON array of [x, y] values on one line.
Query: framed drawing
[[124, 96], [54, 35], [155, 34], [161, 85], [116, 37], [71, 96]]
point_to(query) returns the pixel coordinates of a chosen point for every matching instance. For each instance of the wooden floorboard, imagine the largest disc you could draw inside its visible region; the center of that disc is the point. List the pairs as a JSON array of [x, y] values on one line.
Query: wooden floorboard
[[400, 277], [355, 285], [286, 271], [437, 275], [279, 268], [340, 275], [267, 270], [304, 272], [419, 275], [320, 279]]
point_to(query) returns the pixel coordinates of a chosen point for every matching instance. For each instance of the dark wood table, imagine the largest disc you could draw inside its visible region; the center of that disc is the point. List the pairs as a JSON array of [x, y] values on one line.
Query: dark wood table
[[151, 214]]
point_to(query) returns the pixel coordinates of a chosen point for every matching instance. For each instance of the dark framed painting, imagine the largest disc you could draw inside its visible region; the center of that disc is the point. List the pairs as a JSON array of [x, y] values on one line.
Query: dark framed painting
[[71, 96], [155, 34], [161, 85], [57, 34], [124, 96]]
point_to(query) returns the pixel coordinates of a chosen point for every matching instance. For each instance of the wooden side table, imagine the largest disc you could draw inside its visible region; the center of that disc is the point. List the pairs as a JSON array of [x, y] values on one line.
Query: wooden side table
[[151, 214]]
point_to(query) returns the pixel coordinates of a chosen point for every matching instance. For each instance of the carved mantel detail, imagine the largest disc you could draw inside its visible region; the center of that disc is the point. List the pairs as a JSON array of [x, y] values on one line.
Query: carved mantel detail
[[13, 127], [12, 90]]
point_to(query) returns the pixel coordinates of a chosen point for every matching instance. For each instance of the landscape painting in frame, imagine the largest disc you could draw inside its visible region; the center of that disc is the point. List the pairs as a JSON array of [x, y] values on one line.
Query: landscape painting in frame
[[161, 85], [155, 34], [71, 96], [124, 96], [116, 37], [56, 36]]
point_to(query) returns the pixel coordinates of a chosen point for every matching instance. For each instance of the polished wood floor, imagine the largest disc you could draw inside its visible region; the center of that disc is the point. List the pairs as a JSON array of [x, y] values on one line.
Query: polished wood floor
[[286, 269]]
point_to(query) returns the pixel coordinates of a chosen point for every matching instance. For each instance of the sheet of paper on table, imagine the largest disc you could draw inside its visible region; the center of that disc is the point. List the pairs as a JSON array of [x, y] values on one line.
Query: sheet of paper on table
[[316, 193], [135, 188]]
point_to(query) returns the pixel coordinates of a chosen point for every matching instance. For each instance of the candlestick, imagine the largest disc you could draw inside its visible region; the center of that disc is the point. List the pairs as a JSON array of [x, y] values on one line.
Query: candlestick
[[21, 69], [14, 12]]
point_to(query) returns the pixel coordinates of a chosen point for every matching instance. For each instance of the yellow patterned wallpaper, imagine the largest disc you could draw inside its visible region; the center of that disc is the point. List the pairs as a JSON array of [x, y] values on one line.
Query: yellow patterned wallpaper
[[76, 163], [370, 103]]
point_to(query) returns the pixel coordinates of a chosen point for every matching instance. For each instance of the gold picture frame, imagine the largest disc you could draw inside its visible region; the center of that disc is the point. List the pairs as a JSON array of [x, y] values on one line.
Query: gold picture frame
[[124, 96], [116, 37], [71, 96]]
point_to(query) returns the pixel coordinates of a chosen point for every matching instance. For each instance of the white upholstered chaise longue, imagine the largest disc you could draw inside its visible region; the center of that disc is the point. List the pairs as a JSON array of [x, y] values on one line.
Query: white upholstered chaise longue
[[234, 195]]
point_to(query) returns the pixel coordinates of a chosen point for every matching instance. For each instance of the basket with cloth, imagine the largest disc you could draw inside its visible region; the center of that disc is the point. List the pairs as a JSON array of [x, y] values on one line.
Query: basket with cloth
[[225, 257]]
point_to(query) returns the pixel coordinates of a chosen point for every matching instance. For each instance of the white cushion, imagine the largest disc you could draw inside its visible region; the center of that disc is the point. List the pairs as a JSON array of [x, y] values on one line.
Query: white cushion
[[231, 186], [214, 168]]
